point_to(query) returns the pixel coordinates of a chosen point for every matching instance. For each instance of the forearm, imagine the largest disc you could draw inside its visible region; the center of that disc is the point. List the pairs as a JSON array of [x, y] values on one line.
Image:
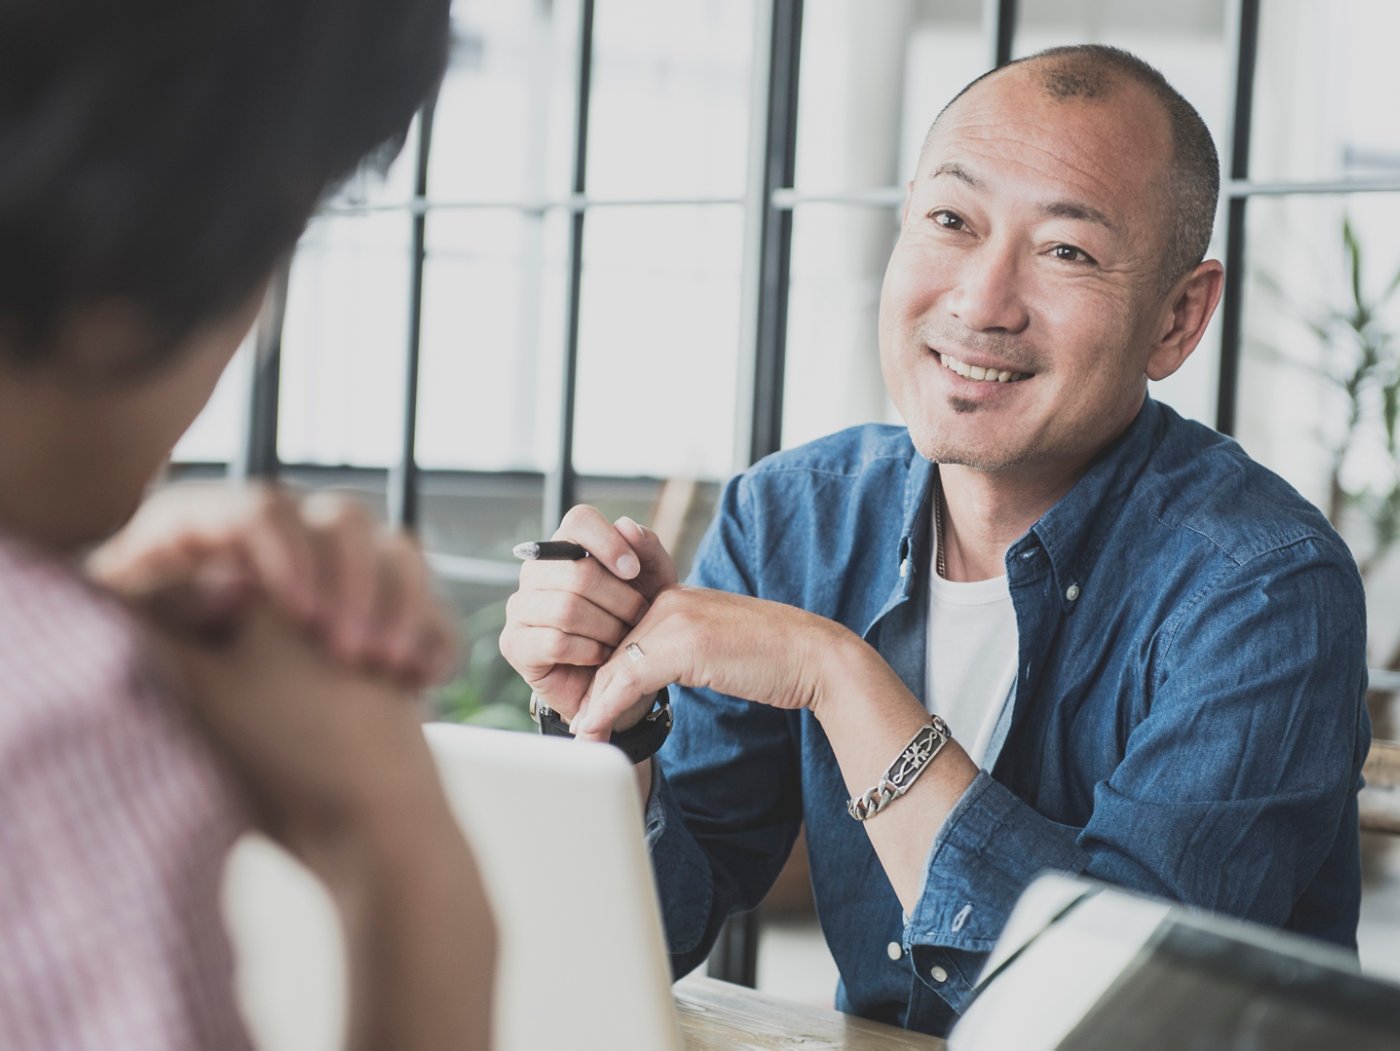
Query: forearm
[[420, 937], [869, 716]]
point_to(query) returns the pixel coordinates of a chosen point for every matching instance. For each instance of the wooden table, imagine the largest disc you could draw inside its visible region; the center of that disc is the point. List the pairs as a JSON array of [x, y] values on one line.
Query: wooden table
[[719, 1016]]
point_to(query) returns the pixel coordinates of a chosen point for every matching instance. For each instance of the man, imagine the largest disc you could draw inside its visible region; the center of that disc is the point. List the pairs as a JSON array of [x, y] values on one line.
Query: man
[[157, 160], [1146, 651]]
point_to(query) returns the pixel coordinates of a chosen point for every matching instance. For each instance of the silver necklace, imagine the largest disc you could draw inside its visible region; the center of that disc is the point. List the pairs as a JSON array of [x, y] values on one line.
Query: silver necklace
[[940, 566]]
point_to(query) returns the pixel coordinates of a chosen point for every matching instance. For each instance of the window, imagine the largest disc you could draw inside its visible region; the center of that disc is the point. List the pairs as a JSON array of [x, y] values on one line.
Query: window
[[652, 239]]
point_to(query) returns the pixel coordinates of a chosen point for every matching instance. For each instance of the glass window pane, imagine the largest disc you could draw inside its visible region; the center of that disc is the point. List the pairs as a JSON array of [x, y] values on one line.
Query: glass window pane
[[343, 342], [492, 340], [659, 330], [1324, 91], [503, 125], [485, 689], [1184, 40], [872, 77], [832, 379], [370, 187], [1320, 374], [479, 515], [679, 509], [669, 106], [215, 435]]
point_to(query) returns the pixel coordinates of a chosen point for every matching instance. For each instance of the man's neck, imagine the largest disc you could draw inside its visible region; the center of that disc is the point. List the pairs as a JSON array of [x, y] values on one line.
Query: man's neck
[[984, 514]]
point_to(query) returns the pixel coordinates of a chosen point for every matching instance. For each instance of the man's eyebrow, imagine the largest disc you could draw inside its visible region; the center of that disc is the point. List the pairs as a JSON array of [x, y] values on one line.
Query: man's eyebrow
[[1053, 209], [1078, 210], [957, 171]]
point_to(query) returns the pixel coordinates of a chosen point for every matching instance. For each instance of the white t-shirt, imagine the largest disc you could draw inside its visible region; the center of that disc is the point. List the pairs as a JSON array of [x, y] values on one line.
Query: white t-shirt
[[972, 655]]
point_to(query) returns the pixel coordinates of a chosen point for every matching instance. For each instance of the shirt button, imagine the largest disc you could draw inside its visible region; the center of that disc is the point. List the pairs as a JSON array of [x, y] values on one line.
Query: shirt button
[[1072, 592], [894, 950], [938, 974]]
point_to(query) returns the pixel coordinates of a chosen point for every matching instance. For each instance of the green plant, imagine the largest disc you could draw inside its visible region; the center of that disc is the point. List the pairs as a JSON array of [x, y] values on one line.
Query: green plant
[[488, 692], [1361, 363]]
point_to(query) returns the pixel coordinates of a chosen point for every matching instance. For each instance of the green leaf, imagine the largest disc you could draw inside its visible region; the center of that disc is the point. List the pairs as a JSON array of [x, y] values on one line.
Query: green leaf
[[1353, 248], [1390, 289], [1390, 400]]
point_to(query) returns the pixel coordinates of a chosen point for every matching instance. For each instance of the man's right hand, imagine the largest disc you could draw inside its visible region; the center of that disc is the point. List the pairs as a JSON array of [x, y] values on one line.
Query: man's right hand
[[568, 617]]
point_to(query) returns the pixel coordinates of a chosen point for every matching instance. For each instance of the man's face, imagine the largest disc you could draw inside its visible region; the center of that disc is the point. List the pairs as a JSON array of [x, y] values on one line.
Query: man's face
[[1029, 256]]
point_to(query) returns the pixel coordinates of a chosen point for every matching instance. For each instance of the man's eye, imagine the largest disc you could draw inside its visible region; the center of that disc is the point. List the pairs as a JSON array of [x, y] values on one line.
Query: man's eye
[[947, 220], [1070, 254]]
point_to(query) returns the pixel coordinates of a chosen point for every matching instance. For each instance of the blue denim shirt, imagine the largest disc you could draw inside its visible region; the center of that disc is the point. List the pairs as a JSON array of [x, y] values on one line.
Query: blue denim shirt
[[1188, 717]]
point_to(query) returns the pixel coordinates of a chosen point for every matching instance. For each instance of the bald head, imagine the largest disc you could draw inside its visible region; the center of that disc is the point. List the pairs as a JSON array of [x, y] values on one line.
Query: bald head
[[1191, 174]]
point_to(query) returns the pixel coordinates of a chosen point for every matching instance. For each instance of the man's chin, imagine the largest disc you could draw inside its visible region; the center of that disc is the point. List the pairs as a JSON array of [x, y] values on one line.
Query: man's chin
[[942, 449]]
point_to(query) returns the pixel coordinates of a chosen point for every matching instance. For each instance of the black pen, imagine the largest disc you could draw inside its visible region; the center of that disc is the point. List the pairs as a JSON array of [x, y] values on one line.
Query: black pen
[[550, 550]]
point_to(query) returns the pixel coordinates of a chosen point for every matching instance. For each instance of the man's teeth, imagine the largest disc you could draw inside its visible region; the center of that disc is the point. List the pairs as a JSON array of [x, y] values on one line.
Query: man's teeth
[[977, 372]]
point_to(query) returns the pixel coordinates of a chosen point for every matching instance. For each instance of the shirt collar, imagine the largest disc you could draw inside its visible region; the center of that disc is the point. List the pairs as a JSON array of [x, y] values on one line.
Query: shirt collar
[[914, 538], [1071, 532]]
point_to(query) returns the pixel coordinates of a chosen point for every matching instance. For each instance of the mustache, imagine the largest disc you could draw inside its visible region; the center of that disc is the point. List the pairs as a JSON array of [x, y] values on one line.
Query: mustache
[[1011, 352]]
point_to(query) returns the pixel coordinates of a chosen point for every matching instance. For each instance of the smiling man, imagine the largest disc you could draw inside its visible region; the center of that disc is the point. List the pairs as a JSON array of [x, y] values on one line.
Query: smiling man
[[1048, 625]]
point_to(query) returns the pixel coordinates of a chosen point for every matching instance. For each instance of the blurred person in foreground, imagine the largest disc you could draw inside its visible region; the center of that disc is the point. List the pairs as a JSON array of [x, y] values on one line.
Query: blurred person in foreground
[[245, 661], [1048, 624]]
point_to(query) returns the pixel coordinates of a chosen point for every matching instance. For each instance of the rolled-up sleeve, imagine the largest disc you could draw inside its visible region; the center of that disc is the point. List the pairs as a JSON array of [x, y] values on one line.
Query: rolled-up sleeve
[[1232, 793]]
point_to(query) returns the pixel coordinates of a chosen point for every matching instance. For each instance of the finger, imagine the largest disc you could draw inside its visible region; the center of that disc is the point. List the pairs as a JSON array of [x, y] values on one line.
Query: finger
[[150, 554], [203, 603], [348, 572], [438, 650], [587, 526], [563, 690], [588, 579], [658, 569], [631, 676], [121, 567], [402, 604], [414, 634], [279, 548], [535, 652], [568, 612]]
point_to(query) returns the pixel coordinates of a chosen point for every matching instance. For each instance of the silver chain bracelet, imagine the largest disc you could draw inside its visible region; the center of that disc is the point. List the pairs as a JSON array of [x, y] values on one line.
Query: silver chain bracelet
[[904, 771]]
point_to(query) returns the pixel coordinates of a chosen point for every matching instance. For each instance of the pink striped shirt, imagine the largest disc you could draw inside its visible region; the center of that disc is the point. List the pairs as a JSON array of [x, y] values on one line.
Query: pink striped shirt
[[115, 822]]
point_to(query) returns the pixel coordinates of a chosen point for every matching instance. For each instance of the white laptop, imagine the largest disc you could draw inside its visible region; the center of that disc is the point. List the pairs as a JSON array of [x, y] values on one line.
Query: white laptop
[[557, 829]]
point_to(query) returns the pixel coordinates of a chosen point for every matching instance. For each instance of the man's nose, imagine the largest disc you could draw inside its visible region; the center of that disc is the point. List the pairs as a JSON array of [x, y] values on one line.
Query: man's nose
[[987, 293]]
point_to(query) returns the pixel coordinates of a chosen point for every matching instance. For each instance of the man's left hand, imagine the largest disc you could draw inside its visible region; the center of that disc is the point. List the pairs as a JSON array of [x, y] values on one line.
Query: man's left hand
[[738, 645]]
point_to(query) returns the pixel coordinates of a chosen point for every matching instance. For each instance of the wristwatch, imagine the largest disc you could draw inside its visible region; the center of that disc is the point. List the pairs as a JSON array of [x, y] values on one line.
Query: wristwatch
[[637, 743]]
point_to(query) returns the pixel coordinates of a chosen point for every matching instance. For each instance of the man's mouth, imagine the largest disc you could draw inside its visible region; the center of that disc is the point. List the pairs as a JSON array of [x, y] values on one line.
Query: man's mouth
[[978, 373]]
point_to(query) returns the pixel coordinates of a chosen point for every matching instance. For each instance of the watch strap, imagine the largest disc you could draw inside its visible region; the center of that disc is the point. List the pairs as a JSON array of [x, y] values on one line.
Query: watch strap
[[637, 742]]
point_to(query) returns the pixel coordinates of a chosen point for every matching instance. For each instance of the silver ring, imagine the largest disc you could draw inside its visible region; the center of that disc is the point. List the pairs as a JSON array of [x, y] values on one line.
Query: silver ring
[[634, 651]]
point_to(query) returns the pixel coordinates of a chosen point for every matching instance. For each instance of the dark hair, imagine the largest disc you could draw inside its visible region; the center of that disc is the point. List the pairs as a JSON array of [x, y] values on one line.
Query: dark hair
[[167, 153], [1089, 71]]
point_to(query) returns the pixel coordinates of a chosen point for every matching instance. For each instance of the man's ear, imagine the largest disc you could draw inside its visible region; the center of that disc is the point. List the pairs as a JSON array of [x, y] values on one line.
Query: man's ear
[[1190, 306]]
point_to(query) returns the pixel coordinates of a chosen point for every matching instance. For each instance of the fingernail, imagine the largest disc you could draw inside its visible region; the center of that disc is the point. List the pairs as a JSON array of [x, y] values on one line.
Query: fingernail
[[633, 525], [628, 566]]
